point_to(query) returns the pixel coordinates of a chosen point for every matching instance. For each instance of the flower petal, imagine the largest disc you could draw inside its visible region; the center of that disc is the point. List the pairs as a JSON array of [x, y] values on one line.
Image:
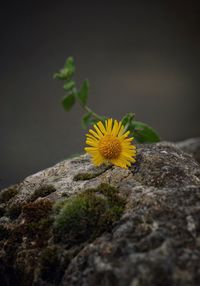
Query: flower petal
[[110, 143]]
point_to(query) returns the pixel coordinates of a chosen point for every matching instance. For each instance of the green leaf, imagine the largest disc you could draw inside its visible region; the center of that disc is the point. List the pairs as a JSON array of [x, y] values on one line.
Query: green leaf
[[94, 121], [127, 119], [67, 72], [83, 93], [69, 64], [63, 74], [143, 133], [69, 85], [86, 120], [68, 101], [89, 120]]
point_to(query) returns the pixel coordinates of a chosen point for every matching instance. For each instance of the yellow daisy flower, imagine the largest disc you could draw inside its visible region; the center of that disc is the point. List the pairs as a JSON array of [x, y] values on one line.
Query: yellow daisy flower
[[109, 143]]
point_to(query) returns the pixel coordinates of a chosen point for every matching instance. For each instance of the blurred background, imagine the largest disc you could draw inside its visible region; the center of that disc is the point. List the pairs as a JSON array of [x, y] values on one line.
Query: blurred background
[[140, 56]]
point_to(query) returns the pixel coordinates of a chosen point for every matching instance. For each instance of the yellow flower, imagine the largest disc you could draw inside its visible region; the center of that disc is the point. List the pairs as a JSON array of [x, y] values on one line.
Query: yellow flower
[[109, 143]]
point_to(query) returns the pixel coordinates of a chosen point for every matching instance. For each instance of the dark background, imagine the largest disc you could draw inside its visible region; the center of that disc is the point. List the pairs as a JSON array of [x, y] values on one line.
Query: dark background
[[141, 56]]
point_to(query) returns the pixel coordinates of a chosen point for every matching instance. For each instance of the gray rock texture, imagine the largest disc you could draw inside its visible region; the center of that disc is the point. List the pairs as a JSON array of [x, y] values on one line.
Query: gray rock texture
[[76, 224], [191, 146]]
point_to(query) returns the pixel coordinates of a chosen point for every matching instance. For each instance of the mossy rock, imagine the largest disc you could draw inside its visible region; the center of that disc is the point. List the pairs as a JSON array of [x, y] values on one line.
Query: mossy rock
[[4, 232], [84, 240], [7, 194], [13, 211], [49, 264], [87, 215], [32, 212], [38, 220], [43, 191]]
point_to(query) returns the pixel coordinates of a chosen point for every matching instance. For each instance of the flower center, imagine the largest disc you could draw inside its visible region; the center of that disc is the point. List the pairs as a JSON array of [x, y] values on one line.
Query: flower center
[[110, 147]]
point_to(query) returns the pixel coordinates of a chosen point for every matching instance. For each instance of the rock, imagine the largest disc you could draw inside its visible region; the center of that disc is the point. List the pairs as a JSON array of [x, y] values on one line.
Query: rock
[[74, 224], [191, 146]]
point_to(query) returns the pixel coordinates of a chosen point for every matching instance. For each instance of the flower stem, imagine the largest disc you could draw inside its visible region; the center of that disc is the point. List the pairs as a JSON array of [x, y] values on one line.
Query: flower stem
[[95, 115]]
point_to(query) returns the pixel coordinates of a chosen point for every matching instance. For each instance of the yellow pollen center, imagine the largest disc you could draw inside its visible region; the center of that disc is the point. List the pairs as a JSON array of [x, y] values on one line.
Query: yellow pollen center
[[110, 147]]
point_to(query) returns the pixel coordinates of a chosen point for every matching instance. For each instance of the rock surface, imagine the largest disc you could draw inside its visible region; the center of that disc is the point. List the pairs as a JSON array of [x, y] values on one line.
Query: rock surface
[[75, 224], [191, 146]]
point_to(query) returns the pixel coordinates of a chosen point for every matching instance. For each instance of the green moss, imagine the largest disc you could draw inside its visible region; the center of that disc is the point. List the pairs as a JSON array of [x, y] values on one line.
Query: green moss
[[107, 190], [65, 195], [7, 194], [87, 215], [42, 192], [59, 204]]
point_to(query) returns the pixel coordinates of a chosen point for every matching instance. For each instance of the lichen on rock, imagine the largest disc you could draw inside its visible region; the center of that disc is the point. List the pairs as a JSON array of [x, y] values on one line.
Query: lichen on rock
[[74, 224]]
